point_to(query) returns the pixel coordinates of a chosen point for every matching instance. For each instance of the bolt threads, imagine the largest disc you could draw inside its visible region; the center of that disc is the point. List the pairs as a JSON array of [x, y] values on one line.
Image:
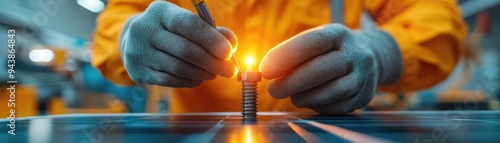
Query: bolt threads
[[249, 100]]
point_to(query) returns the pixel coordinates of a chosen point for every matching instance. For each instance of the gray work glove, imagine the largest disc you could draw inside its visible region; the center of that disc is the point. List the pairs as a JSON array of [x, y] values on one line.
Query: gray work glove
[[170, 46], [331, 69]]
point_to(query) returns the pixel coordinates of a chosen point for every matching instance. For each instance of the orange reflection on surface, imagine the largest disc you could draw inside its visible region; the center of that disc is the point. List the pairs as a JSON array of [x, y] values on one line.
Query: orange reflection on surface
[[247, 134]]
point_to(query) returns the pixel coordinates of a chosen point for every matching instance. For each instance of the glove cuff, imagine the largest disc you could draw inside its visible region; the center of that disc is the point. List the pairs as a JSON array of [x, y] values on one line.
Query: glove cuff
[[387, 55]]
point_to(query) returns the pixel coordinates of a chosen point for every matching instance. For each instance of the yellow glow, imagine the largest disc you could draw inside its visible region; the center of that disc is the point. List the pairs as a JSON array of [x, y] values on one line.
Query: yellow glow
[[246, 134], [249, 61]]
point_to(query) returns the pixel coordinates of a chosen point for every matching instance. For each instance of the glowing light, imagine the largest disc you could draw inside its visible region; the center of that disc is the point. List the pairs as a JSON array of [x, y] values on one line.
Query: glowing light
[[95, 6], [248, 135], [249, 61], [41, 55]]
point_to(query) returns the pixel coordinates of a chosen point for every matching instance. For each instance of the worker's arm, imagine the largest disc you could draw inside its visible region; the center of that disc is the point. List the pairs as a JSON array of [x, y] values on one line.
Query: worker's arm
[[332, 69], [170, 46], [165, 45], [105, 52], [430, 34]]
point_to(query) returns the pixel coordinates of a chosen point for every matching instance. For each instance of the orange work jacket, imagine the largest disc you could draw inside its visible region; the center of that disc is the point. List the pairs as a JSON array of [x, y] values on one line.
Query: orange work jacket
[[429, 33]]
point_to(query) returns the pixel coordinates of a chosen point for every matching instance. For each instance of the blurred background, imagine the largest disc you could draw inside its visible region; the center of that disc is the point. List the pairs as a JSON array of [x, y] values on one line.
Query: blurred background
[[54, 37]]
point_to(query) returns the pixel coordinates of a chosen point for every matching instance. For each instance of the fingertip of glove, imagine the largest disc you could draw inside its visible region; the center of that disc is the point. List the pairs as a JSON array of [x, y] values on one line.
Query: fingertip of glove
[[221, 49], [225, 53], [230, 73], [266, 68], [231, 42], [234, 73], [229, 35], [263, 70], [267, 74]]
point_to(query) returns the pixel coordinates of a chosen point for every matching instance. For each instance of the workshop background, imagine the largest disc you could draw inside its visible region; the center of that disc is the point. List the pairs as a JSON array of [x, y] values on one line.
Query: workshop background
[[55, 76]]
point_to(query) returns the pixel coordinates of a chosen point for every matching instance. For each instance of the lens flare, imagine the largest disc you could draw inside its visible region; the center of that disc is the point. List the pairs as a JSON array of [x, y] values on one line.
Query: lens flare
[[249, 61], [248, 135]]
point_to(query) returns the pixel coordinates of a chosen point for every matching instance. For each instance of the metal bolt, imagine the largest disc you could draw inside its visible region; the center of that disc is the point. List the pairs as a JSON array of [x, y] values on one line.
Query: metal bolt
[[249, 80], [249, 100]]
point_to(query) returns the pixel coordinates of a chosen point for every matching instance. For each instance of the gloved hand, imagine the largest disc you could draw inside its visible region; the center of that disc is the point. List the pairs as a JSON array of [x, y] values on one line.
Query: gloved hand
[[331, 69], [170, 46]]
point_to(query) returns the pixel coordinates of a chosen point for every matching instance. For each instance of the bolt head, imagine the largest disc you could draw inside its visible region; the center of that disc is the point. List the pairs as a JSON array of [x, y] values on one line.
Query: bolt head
[[249, 76]]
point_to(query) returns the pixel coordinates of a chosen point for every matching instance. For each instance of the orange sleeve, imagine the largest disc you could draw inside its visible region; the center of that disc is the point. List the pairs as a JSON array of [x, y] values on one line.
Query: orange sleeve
[[430, 34], [105, 51]]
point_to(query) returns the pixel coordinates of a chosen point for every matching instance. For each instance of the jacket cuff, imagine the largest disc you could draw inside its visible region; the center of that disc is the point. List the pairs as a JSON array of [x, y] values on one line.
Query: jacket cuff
[[387, 55]]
